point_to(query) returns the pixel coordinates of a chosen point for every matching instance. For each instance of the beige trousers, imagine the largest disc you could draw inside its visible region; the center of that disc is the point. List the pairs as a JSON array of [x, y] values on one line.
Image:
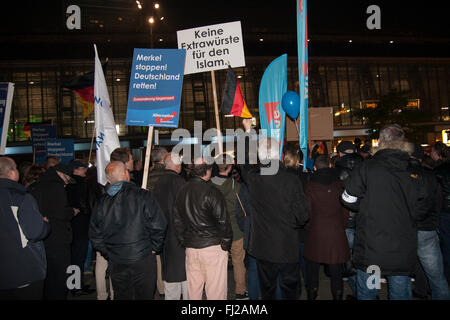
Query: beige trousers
[[237, 259], [159, 279], [101, 264], [207, 267]]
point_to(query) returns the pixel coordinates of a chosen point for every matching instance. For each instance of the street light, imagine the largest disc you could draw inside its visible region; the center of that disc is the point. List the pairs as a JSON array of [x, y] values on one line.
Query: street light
[[151, 21]]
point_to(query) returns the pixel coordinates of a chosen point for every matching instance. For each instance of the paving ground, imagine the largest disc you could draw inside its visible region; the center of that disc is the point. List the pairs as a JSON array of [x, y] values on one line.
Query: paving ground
[[324, 288]]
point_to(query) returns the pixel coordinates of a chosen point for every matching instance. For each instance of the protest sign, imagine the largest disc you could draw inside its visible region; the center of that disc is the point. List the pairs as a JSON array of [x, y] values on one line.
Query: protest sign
[[39, 135], [212, 47], [61, 148], [155, 87]]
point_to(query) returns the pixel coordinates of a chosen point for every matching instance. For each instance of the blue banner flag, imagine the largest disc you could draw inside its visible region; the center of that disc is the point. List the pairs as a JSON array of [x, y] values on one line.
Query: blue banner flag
[[302, 46], [273, 86], [155, 87]]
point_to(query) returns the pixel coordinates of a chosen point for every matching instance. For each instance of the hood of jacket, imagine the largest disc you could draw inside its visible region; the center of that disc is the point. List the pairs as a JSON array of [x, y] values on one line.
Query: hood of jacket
[[394, 154], [220, 180], [10, 184], [404, 146]]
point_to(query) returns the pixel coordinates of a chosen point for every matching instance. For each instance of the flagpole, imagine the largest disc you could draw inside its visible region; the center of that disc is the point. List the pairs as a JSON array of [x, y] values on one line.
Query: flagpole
[[147, 157], [90, 149], [239, 199], [216, 110]]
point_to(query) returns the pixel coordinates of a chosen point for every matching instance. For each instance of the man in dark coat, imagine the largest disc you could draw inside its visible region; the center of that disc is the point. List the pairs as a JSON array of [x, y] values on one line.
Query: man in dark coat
[[349, 159], [387, 196], [279, 209], [77, 197], [128, 227], [157, 156], [174, 254], [326, 241], [22, 254], [51, 196]]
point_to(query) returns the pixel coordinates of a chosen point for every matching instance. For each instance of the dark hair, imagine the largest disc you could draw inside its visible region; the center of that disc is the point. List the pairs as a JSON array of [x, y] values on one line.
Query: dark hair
[[120, 154], [32, 174], [227, 162], [50, 159], [198, 170], [321, 161], [442, 150]]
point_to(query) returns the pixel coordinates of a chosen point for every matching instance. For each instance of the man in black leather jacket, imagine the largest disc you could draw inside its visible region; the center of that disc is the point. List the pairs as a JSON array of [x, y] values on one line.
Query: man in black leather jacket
[[203, 226], [128, 228]]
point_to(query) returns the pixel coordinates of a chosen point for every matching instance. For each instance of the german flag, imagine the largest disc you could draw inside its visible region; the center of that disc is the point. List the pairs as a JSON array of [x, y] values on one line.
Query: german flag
[[84, 86], [233, 102]]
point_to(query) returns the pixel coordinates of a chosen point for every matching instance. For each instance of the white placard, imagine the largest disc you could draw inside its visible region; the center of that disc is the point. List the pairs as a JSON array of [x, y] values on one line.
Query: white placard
[[212, 47]]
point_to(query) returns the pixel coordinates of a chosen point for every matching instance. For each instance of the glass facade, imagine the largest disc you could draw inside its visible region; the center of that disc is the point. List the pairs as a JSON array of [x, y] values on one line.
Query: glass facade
[[340, 82]]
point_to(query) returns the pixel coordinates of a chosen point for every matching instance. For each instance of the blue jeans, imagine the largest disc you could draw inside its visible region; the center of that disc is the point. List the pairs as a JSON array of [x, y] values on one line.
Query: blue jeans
[[430, 257], [399, 287], [253, 280], [350, 233], [444, 235], [88, 261]]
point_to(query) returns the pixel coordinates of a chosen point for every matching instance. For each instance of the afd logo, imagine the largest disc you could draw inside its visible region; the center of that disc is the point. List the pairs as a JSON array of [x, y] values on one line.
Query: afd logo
[[99, 101], [100, 139]]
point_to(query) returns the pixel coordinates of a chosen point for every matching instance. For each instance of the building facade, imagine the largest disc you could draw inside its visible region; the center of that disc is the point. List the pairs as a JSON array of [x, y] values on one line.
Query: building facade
[[344, 83]]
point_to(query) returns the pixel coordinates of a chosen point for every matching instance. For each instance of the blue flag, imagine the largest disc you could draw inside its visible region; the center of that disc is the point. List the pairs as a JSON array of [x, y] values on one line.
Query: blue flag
[[273, 86], [302, 45]]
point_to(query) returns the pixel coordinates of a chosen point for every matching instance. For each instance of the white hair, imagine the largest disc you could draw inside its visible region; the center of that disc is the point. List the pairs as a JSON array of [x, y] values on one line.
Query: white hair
[[268, 149], [171, 160]]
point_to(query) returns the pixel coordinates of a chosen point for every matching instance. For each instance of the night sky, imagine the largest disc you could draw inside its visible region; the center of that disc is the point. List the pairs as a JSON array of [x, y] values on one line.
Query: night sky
[[422, 25]]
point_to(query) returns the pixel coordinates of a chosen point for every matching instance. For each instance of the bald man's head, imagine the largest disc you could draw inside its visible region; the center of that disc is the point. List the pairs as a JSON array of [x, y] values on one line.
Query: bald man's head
[[117, 171], [8, 169]]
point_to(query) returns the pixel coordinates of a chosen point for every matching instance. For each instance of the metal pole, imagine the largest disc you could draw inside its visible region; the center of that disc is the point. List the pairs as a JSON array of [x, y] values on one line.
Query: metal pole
[[216, 110]]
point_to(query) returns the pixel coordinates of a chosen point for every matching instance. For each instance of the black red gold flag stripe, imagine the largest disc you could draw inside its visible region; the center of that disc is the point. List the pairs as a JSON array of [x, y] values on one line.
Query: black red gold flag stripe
[[233, 102]]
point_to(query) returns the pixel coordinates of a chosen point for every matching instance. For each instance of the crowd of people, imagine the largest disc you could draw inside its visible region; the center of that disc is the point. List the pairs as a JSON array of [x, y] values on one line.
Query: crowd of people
[[366, 216]]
